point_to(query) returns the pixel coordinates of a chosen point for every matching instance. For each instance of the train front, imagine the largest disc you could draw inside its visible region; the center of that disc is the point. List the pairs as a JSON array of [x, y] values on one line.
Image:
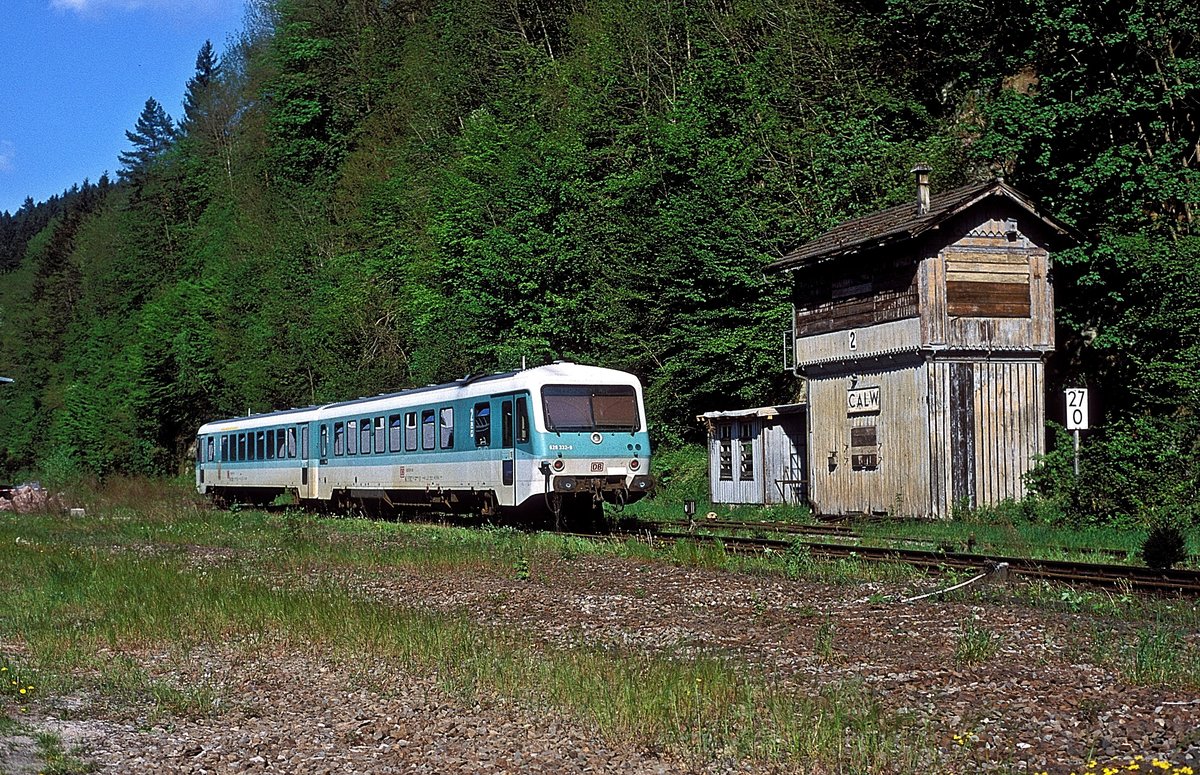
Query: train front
[[594, 446]]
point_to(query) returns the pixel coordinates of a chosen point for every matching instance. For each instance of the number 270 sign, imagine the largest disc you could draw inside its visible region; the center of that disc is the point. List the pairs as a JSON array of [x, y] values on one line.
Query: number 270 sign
[[1077, 409]]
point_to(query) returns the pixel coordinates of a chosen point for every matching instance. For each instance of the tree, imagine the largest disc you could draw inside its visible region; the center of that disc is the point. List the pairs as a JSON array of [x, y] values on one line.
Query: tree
[[197, 97], [154, 136]]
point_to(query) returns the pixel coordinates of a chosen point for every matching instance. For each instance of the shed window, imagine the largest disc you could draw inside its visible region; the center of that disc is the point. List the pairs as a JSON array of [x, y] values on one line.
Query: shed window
[[725, 437], [410, 431], [746, 445], [483, 424], [339, 439], [394, 432], [428, 429], [352, 437]]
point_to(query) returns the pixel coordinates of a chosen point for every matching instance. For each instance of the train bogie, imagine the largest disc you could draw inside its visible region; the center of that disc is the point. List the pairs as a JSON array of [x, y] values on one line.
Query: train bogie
[[555, 437]]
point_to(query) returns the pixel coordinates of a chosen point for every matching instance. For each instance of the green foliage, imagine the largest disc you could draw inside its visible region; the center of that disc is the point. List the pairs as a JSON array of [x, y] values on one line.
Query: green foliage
[[1126, 470], [364, 197], [1166, 541]]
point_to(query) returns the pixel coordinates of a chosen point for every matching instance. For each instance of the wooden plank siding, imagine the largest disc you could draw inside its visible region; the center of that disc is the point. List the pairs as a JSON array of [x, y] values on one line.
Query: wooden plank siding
[[983, 439], [952, 325], [898, 485], [844, 296]]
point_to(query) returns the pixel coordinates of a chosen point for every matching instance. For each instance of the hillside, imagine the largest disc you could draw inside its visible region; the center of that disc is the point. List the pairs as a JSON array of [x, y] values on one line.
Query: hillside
[[372, 195]]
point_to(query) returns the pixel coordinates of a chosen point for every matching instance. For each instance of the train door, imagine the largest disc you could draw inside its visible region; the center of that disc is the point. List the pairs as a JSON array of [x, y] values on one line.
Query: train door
[[515, 439]]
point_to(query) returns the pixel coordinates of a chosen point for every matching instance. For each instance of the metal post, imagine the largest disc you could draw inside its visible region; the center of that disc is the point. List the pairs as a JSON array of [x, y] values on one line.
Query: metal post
[[1076, 452]]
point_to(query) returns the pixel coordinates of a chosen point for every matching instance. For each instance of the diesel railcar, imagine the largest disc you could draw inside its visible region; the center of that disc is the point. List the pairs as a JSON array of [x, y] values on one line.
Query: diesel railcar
[[562, 438]]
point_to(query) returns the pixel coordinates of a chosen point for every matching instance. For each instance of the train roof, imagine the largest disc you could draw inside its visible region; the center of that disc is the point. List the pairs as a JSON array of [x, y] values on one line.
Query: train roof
[[559, 372]]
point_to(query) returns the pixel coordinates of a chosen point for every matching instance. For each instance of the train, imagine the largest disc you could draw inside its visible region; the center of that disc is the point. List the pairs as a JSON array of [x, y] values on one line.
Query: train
[[560, 439]]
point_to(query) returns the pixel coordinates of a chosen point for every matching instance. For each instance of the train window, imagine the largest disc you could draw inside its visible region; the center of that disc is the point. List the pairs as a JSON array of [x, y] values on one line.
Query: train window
[[394, 431], [241, 450], [339, 439], [352, 437], [428, 429], [291, 441], [212, 449], [582, 408], [506, 424], [364, 434], [410, 431], [483, 424], [285, 438], [522, 420], [380, 435], [447, 423], [261, 442], [199, 449], [225, 449], [324, 442], [726, 439], [271, 444]]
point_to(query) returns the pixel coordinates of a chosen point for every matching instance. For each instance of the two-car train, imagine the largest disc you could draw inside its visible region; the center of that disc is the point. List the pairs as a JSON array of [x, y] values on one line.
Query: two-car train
[[562, 437]]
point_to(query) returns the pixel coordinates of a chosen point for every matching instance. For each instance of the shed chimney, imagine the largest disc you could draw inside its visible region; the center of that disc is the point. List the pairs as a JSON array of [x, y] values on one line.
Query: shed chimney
[[922, 172]]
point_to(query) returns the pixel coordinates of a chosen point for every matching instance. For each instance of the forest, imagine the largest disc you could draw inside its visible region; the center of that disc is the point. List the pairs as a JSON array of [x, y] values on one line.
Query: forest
[[369, 195]]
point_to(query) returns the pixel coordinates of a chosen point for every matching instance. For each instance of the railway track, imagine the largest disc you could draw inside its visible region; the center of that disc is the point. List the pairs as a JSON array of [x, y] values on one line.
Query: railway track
[[841, 531], [1124, 577]]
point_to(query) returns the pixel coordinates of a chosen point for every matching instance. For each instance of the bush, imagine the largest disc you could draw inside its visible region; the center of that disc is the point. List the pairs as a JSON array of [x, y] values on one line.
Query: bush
[[1126, 470], [1166, 543]]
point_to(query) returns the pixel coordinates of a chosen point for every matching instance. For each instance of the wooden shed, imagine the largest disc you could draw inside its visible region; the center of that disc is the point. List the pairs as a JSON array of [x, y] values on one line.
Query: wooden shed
[[757, 455], [922, 332]]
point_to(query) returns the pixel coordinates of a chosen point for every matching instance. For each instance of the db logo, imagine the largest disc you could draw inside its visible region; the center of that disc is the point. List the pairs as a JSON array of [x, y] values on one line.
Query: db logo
[[597, 468]]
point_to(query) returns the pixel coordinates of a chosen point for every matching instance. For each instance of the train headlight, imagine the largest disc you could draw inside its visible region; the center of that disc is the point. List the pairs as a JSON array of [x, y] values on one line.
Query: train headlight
[[634, 464], [558, 464]]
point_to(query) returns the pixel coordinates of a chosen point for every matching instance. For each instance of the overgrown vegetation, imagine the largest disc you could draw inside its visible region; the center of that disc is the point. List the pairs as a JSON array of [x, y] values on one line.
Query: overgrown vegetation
[[368, 196]]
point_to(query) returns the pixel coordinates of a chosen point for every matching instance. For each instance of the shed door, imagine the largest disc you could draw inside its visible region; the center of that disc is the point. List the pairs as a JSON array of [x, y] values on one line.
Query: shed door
[[784, 452], [747, 463], [962, 434]]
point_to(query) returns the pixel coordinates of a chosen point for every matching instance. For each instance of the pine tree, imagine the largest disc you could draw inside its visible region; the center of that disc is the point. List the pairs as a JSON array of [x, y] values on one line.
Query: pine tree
[[196, 97], [154, 135]]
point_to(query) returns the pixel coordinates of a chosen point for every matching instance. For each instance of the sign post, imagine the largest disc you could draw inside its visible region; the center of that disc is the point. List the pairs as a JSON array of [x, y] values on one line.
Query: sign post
[[1077, 416]]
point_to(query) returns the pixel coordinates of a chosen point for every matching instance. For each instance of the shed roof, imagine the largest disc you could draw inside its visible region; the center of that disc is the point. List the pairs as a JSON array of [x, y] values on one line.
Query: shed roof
[[760, 411], [901, 223]]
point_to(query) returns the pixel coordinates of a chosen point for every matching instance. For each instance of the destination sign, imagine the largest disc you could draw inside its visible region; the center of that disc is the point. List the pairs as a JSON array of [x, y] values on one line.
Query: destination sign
[[862, 401]]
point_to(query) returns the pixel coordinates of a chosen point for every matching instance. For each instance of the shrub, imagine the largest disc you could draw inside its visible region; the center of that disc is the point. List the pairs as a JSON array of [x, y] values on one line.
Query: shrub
[[1166, 541]]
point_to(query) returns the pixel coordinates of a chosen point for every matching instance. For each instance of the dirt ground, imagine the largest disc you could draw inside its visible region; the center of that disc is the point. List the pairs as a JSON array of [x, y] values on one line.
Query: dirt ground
[[1039, 704]]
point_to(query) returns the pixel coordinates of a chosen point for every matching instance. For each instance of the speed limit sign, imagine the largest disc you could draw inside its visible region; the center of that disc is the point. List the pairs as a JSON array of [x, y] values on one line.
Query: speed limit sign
[[1077, 409]]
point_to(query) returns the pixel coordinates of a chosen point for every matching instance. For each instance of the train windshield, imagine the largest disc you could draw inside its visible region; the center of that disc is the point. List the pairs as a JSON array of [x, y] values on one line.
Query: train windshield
[[574, 408]]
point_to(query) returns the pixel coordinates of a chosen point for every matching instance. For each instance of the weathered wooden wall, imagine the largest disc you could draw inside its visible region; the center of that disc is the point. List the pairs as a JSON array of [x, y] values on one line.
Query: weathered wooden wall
[[898, 483], [960, 375], [763, 463], [986, 421], [850, 294]]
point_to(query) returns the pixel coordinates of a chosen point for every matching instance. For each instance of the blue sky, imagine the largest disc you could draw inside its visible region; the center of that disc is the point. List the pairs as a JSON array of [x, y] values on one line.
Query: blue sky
[[75, 74]]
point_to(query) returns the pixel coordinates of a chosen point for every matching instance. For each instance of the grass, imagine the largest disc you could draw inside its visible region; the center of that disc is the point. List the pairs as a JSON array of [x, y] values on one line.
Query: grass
[[127, 578], [124, 580], [975, 644]]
